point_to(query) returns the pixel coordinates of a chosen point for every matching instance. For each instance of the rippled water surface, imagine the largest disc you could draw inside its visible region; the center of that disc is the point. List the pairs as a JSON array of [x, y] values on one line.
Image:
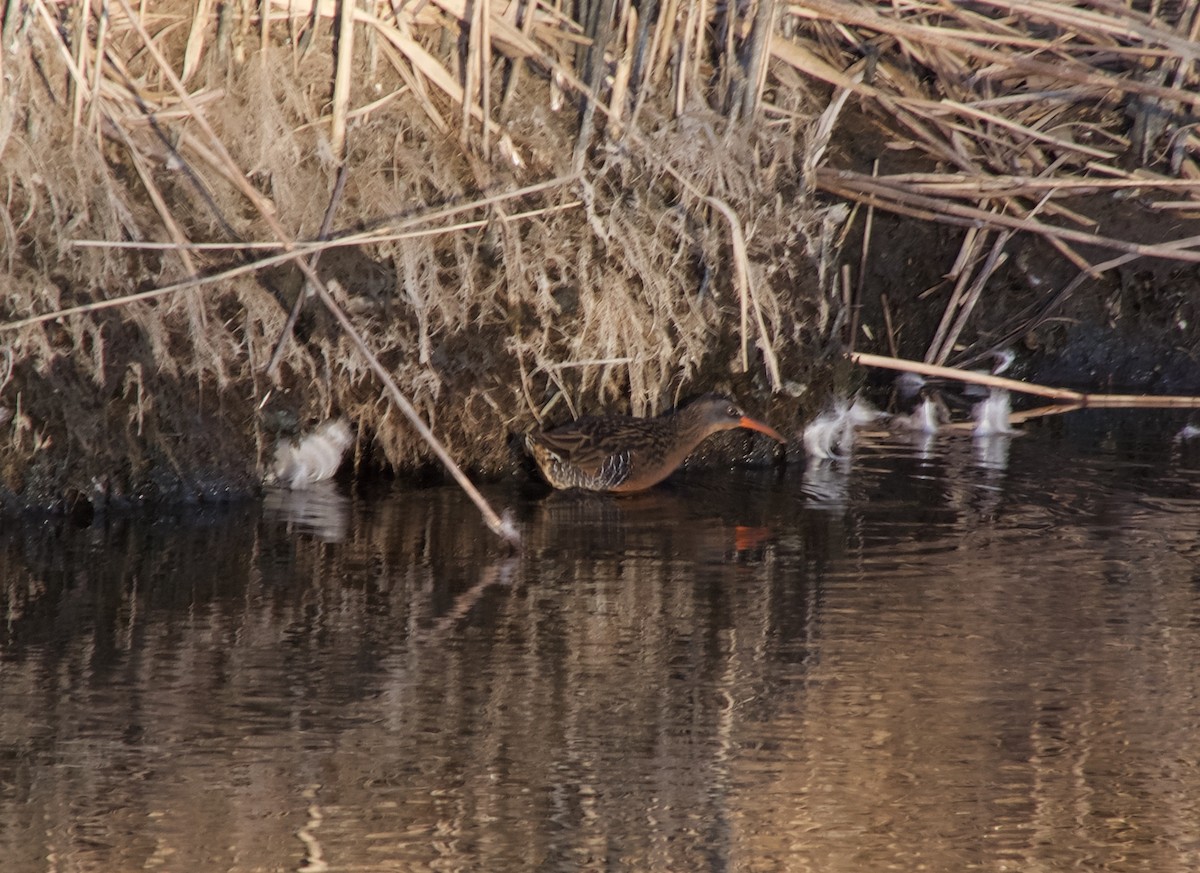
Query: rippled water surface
[[945, 657]]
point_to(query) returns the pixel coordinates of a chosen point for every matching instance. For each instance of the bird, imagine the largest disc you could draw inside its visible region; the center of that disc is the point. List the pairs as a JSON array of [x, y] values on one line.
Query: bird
[[622, 454]]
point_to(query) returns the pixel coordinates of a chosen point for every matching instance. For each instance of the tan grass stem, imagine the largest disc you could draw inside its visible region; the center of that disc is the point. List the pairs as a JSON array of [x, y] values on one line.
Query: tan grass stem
[[1076, 399], [388, 232], [331, 208], [299, 250], [77, 75], [341, 78], [923, 369], [747, 297]]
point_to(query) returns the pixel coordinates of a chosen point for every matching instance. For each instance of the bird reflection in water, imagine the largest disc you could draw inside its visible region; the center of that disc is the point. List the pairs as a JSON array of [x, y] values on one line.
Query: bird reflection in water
[[685, 519]]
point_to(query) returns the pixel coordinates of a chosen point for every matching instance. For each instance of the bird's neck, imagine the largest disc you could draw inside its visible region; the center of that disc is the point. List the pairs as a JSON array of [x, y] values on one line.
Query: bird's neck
[[691, 429]]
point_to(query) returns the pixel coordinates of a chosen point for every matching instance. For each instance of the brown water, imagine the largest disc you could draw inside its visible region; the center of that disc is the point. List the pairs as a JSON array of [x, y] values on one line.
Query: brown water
[[948, 657]]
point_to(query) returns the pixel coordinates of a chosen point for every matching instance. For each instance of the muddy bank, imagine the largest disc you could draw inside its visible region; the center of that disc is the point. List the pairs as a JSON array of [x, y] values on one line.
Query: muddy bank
[[669, 212]]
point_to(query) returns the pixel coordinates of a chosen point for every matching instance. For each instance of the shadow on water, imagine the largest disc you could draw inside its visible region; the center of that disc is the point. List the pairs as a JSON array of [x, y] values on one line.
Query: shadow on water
[[951, 653]]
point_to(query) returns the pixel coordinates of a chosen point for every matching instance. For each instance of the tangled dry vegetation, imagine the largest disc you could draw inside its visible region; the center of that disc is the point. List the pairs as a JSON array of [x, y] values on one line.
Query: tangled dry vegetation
[[1073, 125], [526, 210]]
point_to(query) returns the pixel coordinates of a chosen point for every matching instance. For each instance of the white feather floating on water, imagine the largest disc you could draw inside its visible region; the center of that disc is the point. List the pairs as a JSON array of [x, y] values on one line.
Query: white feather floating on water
[[831, 433], [824, 433], [929, 415], [315, 458], [992, 415]]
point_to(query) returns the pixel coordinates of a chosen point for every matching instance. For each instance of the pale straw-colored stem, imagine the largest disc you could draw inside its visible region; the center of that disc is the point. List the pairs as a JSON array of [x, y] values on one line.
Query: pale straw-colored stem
[[1076, 399], [341, 79], [502, 527]]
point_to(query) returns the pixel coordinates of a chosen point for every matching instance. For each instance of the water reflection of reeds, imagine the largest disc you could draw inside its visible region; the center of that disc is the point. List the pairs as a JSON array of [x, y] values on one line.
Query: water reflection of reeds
[[991, 681]]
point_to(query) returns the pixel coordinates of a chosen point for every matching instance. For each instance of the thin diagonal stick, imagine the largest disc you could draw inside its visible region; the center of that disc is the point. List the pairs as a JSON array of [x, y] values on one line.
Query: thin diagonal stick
[[502, 527], [326, 226]]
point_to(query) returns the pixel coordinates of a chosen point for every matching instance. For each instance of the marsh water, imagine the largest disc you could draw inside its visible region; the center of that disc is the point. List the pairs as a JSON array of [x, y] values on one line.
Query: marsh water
[[939, 655]]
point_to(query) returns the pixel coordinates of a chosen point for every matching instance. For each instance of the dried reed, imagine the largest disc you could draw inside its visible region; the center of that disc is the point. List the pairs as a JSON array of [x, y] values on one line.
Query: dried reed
[[1068, 399]]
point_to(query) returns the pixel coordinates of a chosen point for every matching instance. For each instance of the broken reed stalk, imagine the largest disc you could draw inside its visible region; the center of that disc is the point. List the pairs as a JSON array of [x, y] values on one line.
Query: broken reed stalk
[[146, 177], [78, 77], [863, 261], [154, 293], [78, 98], [1106, 401], [978, 186], [1043, 412], [1074, 399], [995, 259], [746, 294], [341, 78], [972, 240], [1141, 401], [987, 379], [318, 246], [485, 76], [501, 526], [470, 73]]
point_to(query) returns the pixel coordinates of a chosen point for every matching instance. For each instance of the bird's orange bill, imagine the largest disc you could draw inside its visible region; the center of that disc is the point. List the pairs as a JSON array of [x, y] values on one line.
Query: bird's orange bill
[[754, 424]]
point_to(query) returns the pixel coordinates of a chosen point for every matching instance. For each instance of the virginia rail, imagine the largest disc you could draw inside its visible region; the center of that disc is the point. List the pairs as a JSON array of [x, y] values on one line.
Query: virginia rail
[[620, 453]]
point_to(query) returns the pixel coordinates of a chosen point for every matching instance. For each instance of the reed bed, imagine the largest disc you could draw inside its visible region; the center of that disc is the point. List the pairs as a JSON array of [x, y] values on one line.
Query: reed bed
[[526, 210], [185, 179]]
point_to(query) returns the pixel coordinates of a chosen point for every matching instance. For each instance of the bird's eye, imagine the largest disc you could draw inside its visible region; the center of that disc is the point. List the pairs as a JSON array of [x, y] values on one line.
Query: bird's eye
[[732, 412]]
